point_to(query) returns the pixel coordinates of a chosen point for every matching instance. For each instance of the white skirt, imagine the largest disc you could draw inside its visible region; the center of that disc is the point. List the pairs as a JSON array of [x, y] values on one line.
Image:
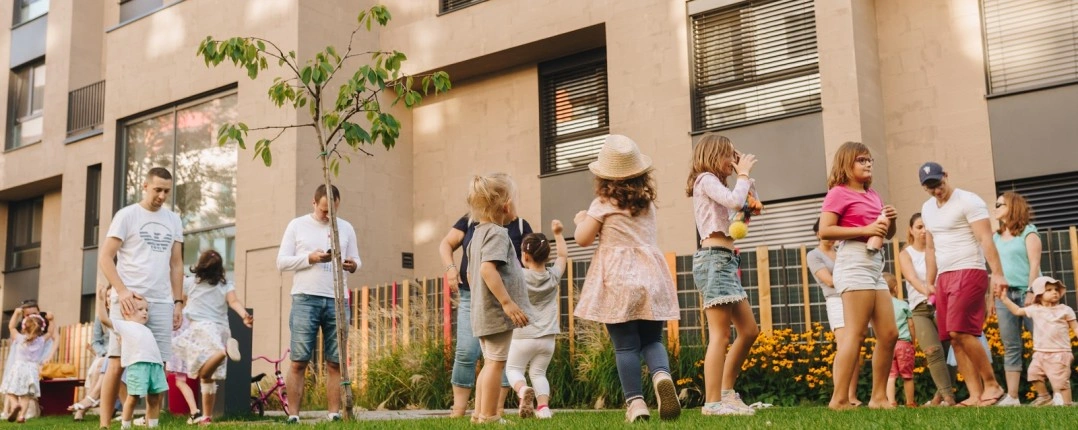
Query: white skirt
[[24, 379], [198, 343]]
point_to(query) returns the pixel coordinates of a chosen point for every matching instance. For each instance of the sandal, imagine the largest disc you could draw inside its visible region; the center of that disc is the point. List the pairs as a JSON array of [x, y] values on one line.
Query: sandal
[[80, 406]]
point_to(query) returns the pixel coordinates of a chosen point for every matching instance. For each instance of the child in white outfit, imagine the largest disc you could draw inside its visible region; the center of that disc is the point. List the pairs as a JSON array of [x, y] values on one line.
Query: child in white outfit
[[31, 347], [1052, 326], [140, 357], [535, 342]]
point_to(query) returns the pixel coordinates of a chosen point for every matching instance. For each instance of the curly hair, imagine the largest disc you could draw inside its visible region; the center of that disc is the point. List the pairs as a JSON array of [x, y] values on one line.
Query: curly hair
[[210, 268], [1018, 216], [635, 194]]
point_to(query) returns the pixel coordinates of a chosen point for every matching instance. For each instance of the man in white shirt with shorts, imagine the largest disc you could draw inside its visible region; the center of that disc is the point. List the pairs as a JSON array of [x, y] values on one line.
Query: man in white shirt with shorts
[[142, 257]]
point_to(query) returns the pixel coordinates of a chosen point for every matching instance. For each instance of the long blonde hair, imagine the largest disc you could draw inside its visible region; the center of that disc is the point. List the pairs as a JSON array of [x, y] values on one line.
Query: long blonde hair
[[488, 194], [708, 155], [842, 167], [1019, 214]]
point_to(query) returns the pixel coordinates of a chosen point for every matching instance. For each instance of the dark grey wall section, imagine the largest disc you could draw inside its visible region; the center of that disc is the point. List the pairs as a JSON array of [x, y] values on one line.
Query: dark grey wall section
[[89, 271], [562, 196], [28, 41], [136, 8], [791, 152], [19, 286], [1034, 133]]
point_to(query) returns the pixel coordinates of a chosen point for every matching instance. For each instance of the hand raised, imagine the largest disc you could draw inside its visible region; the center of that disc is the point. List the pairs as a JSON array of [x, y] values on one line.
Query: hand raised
[[556, 226]]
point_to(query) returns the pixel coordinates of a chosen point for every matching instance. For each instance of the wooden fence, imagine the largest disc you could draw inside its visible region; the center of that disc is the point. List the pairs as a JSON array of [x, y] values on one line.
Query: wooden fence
[[72, 348]]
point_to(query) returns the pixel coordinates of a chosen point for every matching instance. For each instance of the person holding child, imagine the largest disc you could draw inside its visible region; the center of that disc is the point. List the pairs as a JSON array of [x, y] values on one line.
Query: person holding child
[[715, 269], [1053, 323], [535, 343], [902, 364], [628, 286], [31, 347], [851, 213], [139, 356], [500, 301]]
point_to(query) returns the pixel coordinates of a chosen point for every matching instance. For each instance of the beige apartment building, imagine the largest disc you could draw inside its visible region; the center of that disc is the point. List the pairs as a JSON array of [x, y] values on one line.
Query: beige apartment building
[[100, 91]]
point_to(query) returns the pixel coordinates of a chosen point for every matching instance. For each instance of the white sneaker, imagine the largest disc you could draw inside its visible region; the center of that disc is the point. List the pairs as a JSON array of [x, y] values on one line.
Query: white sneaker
[[734, 401], [1007, 400], [232, 349], [721, 408], [140, 421], [527, 402], [1057, 399], [544, 412], [666, 396]]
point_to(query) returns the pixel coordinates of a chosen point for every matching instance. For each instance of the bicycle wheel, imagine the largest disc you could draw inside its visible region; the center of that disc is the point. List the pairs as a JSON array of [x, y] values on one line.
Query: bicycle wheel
[[257, 407]]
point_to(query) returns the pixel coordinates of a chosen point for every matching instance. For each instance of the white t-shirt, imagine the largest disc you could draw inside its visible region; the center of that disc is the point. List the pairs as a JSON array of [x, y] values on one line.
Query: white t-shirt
[[206, 302], [913, 296], [144, 257], [305, 235], [137, 344], [956, 246]]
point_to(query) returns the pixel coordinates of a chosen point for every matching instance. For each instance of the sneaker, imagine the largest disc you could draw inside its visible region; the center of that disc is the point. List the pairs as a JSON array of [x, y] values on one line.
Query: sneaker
[[544, 412], [333, 417], [1007, 400], [1042, 401], [527, 402], [666, 396], [140, 421], [721, 408], [293, 419], [195, 417], [232, 349], [1057, 399], [205, 420], [734, 401], [637, 411]]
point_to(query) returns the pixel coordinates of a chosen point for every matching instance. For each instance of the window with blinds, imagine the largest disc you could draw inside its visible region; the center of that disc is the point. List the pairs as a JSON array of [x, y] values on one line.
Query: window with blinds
[[1030, 44], [574, 115], [445, 6], [754, 61], [1054, 198], [784, 223]]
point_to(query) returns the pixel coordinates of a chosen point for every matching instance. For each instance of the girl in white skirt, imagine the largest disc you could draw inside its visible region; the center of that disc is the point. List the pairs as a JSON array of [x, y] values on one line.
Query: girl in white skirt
[[203, 347], [31, 348]]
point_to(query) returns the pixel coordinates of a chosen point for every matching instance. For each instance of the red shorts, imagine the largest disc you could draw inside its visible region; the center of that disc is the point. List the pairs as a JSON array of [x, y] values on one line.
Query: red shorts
[[902, 365], [960, 301]]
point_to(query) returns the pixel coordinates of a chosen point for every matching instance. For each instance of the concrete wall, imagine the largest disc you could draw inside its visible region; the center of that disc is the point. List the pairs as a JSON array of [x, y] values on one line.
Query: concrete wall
[[1034, 133]]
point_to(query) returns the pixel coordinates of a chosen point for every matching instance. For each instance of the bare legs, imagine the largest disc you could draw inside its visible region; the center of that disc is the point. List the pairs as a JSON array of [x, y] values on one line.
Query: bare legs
[[859, 307], [722, 367]]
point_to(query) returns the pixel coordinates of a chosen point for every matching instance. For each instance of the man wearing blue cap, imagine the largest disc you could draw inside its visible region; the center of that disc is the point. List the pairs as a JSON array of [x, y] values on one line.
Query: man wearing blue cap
[[958, 242]]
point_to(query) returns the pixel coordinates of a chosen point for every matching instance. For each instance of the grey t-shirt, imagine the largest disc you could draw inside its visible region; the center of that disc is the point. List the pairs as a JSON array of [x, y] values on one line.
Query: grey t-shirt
[[543, 294], [818, 260], [490, 242]]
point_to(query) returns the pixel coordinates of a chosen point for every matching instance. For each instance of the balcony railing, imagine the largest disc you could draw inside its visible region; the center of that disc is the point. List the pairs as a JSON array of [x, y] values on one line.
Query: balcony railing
[[85, 108]]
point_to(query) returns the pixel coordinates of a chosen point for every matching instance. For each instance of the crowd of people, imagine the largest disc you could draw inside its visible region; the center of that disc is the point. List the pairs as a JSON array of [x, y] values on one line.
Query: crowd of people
[[152, 319]]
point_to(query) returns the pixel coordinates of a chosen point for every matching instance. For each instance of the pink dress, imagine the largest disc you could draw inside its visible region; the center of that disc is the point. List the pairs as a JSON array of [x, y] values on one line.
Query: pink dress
[[628, 278]]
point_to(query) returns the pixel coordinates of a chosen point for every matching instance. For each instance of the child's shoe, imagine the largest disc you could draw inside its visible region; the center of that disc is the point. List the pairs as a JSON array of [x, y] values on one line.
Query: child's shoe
[[1042, 401], [333, 417], [666, 395], [293, 419], [527, 402], [232, 349], [637, 411], [543, 412], [1007, 400], [1057, 399], [733, 400], [196, 415]]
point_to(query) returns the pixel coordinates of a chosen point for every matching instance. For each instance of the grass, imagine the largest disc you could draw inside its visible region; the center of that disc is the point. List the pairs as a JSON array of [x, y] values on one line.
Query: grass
[[775, 418]]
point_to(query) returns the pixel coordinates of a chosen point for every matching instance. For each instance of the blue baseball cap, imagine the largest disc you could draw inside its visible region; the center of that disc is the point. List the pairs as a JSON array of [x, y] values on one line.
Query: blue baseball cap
[[930, 171]]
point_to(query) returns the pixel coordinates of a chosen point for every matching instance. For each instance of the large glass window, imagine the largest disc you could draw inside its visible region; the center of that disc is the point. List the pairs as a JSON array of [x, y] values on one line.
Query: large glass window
[[183, 139], [574, 112], [1030, 44], [26, 10], [27, 104], [24, 233], [754, 61]]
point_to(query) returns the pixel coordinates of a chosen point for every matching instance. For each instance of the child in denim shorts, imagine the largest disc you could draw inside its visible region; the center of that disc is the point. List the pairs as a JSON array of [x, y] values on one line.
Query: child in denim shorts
[[714, 268], [140, 357]]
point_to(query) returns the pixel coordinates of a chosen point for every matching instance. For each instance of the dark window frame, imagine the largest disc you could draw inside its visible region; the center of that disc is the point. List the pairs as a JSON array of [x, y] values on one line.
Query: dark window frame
[[447, 6], [32, 206], [1004, 60], [16, 15], [92, 224], [19, 84], [742, 63], [573, 72]]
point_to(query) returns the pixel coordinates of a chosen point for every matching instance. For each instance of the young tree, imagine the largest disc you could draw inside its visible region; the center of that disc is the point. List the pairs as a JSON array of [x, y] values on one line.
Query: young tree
[[333, 116]]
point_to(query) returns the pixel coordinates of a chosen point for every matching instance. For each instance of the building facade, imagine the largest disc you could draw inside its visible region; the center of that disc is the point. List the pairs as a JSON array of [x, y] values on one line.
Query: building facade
[[101, 91]]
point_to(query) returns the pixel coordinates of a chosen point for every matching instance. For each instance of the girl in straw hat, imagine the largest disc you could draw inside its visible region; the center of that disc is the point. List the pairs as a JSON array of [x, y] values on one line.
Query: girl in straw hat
[[714, 269], [628, 286]]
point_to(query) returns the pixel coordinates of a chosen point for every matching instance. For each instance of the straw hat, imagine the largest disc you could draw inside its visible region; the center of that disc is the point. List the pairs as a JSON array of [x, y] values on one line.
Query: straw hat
[[620, 158]]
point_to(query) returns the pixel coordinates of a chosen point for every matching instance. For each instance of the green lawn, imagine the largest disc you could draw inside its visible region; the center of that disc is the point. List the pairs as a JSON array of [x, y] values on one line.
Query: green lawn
[[776, 418]]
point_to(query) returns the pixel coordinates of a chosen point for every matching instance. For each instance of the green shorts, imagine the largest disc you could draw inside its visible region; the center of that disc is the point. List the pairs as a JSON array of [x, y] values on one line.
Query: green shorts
[[146, 378]]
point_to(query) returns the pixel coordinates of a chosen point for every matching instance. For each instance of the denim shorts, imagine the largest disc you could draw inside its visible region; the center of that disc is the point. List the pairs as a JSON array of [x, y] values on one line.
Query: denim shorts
[[309, 314], [714, 269], [857, 269]]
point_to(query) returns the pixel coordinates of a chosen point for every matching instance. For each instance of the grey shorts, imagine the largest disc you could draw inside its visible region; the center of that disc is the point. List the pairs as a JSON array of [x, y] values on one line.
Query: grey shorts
[[159, 322], [857, 269], [714, 269]]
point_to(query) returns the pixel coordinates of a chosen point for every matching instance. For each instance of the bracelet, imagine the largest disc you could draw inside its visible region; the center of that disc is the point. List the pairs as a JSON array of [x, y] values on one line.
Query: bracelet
[[178, 301], [450, 267], [746, 175]]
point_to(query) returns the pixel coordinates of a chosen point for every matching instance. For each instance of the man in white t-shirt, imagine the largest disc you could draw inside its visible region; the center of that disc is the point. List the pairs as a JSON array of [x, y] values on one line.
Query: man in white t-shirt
[[306, 249], [958, 242], [142, 257]]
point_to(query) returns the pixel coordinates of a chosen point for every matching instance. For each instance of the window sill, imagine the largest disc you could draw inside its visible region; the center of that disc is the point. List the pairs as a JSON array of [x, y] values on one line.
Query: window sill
[[84, 135], [755, 121], [13, 149], [1032, 89], [163, 7], [563, 172], [13, 27], [22, 269]]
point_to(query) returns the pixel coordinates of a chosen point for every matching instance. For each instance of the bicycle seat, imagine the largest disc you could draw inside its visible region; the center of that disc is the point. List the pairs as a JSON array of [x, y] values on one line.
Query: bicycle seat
[[257, 378]]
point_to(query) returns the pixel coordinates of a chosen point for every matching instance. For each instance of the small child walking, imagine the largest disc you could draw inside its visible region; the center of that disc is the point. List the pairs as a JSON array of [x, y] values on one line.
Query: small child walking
[[140, 357], [500, 299], [715, 269], [535, 343], [851, 213], [31, 347], [207, 341], [902, 364], [1052, 326], [628, 286]]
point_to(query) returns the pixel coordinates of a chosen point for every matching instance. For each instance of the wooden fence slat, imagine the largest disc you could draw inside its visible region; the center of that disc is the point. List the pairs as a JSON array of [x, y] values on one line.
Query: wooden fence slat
[[673, 338], [805, 288], [406, 314], [364, 335], [763, 273], [898, 270], [572, 306]]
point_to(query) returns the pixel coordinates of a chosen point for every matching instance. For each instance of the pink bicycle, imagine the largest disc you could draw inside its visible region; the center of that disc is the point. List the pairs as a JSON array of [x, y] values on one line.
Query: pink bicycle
[[259, 402]]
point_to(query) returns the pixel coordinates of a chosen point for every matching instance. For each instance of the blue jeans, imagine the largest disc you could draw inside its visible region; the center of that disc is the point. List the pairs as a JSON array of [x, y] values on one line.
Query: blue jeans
[[308, 315], [631, 340], [1010, 330], [468, 351]]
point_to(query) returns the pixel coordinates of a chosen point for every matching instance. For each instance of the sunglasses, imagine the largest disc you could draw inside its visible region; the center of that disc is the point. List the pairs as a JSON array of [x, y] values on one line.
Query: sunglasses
[[999, 205]]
